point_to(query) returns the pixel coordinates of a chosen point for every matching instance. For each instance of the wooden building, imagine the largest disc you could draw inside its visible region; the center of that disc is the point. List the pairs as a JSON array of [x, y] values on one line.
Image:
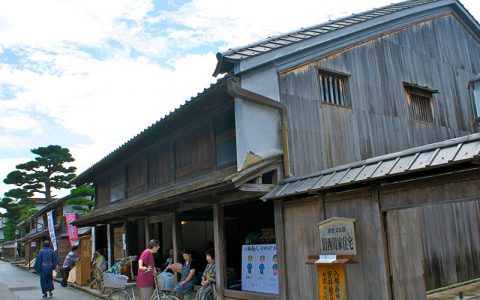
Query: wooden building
[[367, 85], [417, 215]]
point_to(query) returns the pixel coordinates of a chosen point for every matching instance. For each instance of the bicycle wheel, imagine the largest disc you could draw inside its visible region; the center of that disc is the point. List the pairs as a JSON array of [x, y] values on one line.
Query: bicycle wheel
[[119, 295]]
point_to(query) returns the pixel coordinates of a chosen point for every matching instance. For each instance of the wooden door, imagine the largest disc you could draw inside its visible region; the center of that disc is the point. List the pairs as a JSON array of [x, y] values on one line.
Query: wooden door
[[406, 254]]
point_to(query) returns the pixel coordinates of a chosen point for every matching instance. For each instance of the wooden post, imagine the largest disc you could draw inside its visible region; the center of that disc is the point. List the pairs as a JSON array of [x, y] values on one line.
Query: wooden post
[[280, 241], [177, 236], [109, 245], [124, 239], [220, 257], [146, 225], [94, 241]]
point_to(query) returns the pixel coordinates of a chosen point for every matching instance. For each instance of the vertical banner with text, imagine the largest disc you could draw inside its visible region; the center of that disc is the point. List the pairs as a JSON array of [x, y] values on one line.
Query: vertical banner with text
[[72, 230], [51, 230]]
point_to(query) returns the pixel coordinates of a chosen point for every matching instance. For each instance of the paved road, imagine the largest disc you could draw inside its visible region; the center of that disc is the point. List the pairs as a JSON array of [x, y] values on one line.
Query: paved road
[[16, 284]]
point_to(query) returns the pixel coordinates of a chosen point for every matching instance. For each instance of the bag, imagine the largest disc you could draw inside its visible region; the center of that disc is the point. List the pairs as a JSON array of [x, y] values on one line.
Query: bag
[[166, 281]]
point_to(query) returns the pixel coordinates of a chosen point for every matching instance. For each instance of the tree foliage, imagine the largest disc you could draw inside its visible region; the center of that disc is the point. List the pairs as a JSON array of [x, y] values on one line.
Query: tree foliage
[[45, 172], [19, 207], [39, 176], [82, 198]]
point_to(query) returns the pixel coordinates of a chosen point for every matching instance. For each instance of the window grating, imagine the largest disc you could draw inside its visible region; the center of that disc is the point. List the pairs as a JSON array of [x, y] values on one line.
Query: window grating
[[334, 88], [421, 104]]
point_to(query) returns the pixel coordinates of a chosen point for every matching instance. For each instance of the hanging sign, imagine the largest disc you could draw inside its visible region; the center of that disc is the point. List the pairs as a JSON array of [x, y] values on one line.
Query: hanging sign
[[337, 236], [72, 230], [260, 268], [51, 230], [331, 282]]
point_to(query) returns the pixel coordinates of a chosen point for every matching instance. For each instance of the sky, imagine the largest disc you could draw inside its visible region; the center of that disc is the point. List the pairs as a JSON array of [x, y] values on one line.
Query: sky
[[89, 75]]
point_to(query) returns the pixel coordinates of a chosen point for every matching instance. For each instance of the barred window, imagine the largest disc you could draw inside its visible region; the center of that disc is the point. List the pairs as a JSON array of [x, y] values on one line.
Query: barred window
[[334, 88], [420, 101]]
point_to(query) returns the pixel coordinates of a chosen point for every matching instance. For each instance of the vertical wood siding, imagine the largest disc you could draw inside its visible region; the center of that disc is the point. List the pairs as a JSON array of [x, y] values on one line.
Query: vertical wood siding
[[301, 239], [406, 254], [367, 279], [438, 54]]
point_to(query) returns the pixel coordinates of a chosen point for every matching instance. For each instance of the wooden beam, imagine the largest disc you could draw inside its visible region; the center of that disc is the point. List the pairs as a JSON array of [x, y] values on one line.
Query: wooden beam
[[161, 218], [219, 244], [146, 227], [280, 241], [256, 187]]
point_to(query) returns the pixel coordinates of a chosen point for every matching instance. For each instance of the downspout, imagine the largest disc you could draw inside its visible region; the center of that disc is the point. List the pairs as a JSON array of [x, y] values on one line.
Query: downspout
[[235, 90]]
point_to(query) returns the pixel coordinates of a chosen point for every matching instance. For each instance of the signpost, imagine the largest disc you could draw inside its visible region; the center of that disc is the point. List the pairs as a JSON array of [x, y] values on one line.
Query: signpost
[[337, 247]]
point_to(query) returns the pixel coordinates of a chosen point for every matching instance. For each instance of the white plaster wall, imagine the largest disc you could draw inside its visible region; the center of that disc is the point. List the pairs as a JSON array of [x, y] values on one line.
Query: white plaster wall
[[258, 131]]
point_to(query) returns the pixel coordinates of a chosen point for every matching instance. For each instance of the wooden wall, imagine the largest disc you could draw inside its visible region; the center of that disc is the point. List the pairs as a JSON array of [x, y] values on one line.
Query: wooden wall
[[367, 279], [183, 154], [438, 54], [448, 216], [425, 234], [301, 239]]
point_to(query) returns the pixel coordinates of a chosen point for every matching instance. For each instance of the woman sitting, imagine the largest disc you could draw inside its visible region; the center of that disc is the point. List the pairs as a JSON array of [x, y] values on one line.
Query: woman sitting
[[208, 291], [184, 287]]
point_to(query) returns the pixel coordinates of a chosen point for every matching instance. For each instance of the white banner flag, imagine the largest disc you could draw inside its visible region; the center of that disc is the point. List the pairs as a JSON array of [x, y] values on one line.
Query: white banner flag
[[51, 229]]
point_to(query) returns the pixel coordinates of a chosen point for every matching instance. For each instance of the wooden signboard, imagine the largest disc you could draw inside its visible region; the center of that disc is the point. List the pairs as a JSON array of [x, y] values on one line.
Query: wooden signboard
[[337, 236], [331, 282]]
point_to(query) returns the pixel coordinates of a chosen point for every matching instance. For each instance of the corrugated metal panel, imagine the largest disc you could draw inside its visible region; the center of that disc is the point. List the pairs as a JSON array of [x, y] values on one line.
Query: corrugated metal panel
[[463, 149]]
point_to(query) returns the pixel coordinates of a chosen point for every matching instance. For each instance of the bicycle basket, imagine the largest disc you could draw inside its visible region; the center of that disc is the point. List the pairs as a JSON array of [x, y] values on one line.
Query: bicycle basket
[[166, 281], [111, 280]]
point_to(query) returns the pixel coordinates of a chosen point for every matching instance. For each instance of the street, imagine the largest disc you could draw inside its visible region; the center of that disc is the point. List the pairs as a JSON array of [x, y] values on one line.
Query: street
[[16, 283]]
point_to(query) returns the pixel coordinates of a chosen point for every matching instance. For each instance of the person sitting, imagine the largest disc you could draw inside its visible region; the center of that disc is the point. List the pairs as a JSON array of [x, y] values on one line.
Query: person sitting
[[100, 261], [184, 287], [208, 290]]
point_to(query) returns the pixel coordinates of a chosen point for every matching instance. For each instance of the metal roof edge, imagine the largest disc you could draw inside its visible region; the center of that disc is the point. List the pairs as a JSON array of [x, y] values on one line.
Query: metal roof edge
[[225, 64], [376, 159]]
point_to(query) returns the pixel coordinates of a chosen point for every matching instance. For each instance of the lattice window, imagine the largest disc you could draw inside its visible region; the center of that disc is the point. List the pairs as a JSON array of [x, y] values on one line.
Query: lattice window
[[421, 104], [334, 88]]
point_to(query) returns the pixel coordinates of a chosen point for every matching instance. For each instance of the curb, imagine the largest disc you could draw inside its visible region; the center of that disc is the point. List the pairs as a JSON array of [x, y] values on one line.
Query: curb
[[73, 285]]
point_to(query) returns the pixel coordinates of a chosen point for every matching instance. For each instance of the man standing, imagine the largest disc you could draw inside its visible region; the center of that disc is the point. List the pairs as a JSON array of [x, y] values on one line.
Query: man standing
[[44, 265], [68, 264]]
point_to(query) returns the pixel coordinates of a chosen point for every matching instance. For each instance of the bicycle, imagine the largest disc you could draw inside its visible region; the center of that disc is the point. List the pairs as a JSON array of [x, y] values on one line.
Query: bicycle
[[164, 284], [119, 282]]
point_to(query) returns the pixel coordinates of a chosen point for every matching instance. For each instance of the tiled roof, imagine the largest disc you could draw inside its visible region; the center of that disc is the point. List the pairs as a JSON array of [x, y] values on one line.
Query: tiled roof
[[214, 87], [436, 155], [276, 42]]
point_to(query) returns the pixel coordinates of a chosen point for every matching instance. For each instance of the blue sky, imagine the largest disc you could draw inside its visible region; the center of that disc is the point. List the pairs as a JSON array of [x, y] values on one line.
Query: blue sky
[[89, 75]]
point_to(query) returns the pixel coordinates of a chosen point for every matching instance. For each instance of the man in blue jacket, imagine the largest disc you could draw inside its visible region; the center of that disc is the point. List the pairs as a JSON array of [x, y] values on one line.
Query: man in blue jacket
[[44, 265]]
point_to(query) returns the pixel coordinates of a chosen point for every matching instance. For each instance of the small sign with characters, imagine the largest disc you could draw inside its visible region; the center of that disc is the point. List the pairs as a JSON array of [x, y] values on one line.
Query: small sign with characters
[[331, 282], [337, 236]]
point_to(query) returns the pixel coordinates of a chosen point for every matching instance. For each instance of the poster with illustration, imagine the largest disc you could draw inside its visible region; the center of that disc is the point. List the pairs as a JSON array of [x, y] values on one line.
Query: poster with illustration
[[260, 268]]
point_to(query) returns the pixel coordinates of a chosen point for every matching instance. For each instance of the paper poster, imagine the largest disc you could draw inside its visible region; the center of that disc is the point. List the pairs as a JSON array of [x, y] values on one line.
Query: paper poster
[[51, 230], [72, 230], [331, 282], [260, 268]]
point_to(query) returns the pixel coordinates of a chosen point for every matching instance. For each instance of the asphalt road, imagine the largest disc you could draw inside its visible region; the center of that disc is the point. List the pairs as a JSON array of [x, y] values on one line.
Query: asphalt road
[[16, 283]]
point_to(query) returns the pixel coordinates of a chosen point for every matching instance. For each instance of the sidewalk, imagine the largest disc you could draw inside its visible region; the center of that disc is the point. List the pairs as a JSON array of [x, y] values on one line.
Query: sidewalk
[[86, 289]]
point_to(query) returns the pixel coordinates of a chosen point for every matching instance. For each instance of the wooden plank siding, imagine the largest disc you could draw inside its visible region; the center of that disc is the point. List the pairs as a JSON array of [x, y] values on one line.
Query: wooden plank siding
[[367, 279], [183, 154], [412, 236], [439, 54], [301, 232]]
